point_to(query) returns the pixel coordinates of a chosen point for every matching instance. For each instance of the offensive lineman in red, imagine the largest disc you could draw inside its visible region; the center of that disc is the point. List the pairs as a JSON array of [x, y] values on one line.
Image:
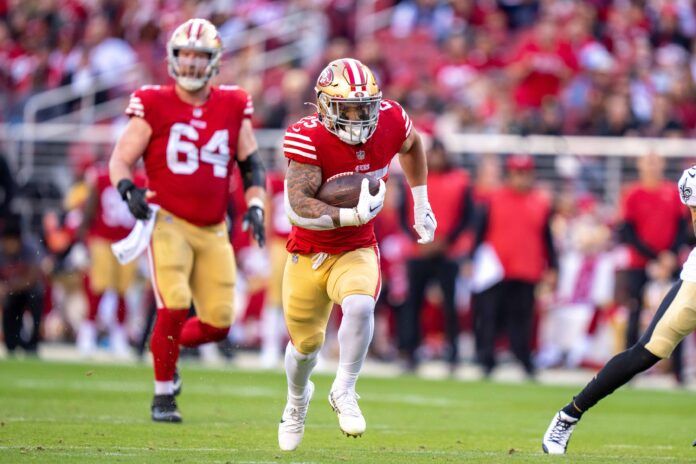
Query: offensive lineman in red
[[189, 134], [333, 251]]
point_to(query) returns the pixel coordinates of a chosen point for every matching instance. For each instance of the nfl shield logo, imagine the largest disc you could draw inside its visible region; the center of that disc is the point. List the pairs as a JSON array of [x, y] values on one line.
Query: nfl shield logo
[[197, 112], [360, 154]]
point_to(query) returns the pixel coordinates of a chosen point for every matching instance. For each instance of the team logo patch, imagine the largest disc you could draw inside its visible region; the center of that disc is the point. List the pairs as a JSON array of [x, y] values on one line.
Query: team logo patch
[[685, 192], [360, 154], [326, 78], [197, 112], [295, 259]]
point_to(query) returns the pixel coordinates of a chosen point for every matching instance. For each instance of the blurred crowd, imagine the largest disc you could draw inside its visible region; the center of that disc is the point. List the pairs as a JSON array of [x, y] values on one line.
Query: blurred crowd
[[606, 67], [563, 280]]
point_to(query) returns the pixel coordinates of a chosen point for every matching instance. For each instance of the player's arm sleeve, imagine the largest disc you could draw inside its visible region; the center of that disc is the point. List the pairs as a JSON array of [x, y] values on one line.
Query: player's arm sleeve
[[140, 105], [405, 125]]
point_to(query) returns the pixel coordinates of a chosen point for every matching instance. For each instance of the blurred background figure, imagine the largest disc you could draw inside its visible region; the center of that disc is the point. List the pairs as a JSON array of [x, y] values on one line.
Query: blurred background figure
[[106, 220], [452, 203], [7, 189], [273, 330], [514, 251], [653, 229], [21, 289]]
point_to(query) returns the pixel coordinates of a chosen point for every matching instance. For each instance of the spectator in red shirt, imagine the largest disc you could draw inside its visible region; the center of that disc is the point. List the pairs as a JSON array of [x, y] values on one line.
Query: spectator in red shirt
[[451, 200], [653, 227], [541, 65], [517, 253]]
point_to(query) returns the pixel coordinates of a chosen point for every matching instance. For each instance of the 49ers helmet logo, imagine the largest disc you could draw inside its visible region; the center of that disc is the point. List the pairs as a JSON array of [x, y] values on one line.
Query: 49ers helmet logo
[[326, 78]]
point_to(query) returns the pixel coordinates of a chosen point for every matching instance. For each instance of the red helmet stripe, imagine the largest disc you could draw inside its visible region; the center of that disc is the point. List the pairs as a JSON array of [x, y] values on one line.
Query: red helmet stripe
[[188, 31], [349, 69]]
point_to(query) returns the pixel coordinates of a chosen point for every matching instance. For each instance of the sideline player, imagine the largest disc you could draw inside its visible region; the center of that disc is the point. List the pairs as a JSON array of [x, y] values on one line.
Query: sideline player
[[674, 320], [189, 134], [106, 220], [333, 251]]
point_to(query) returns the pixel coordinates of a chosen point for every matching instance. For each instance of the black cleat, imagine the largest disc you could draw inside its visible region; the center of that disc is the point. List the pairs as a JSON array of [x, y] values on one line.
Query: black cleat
[[164, 409], [177, 382]]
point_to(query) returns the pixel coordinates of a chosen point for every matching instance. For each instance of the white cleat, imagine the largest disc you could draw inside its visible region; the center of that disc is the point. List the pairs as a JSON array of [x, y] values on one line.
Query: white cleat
[[350, 418], [558, 434], [292, 423]]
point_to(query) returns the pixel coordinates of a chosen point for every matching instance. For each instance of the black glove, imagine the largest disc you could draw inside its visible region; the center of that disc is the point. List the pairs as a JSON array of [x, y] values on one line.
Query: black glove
[[254, 218], [135, 197]]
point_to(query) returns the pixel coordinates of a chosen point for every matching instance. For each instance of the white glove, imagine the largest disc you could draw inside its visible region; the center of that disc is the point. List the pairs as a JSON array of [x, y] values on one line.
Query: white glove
[[423, 215], [687, 187], [368, 207]]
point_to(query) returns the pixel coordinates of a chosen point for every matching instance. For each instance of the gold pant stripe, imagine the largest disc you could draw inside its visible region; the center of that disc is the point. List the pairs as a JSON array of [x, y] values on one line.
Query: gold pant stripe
[[678, 321]]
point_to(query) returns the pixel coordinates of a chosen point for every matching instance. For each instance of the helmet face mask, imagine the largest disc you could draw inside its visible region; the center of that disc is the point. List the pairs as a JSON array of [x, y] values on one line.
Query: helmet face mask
[[193, 54], [348, 100]]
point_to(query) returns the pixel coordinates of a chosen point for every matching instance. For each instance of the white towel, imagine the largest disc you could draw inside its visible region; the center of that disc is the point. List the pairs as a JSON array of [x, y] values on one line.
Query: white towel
[[488, 269], [138, 240]]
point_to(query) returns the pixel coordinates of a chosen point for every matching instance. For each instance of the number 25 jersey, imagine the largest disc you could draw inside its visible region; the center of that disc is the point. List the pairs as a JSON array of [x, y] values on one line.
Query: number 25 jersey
[[309, 142], [188, 160]]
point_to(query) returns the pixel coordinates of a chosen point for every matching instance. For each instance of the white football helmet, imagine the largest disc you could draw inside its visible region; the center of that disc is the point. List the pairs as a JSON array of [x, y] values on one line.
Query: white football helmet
[[348, 100], [193, 72]]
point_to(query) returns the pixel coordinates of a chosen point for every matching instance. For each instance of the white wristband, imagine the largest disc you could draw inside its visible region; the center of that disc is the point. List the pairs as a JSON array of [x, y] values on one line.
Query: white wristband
[[348, 217], [256, 201], [420, 195]]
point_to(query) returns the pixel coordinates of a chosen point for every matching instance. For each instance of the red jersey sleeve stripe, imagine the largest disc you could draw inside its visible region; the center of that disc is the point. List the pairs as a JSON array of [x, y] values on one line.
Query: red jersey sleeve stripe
[[299, 152], [298, 136], [292, 143]]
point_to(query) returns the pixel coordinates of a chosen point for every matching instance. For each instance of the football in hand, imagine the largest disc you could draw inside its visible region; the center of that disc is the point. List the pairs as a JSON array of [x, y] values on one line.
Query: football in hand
[[343, 190]]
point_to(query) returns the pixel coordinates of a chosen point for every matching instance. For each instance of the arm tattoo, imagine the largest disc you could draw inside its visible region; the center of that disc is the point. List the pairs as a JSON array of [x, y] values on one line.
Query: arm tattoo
[[303, 182]]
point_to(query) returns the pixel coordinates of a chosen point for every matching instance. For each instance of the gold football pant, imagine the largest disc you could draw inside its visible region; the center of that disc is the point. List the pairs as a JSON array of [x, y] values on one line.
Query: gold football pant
[[677, 321], [192, 263], [309, 293], [105, 272], [278, 256]]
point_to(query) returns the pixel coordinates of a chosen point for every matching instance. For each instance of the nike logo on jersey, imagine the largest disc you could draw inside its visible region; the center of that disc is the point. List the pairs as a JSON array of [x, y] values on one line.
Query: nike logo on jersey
[[372, 210]]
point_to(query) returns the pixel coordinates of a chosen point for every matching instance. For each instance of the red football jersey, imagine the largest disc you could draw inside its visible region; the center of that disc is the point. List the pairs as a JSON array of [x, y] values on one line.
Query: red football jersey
[[280, 225], [189, 158], [112, 220], [308, 141]]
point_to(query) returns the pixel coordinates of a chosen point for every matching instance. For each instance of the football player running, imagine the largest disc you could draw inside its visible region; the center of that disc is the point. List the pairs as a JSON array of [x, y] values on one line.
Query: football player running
[[674, 320], [188, 135], [333, 252]]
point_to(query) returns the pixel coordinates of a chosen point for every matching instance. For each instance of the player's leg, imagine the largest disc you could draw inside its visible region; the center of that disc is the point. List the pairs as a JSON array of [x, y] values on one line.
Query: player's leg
[[101, 275], [212, 283], [307, 308], [447, 276], [171, 261], [486, 306], [272, 319], [675, 318], [519, 301], [355, 283], [117, 332], [419, 272]]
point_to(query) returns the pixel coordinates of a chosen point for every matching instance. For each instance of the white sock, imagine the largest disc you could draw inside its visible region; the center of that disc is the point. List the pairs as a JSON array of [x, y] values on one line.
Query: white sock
[[118, 340], [298, 368], [87, 338], [164, 388], [354, 336]]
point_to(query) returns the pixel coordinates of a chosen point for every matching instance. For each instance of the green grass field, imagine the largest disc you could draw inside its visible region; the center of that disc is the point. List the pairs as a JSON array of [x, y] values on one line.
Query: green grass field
[[79, 413]]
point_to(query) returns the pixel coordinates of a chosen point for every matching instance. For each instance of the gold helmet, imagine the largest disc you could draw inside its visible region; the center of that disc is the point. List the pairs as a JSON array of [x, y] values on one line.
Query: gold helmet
[[193, 72], [348, 100]]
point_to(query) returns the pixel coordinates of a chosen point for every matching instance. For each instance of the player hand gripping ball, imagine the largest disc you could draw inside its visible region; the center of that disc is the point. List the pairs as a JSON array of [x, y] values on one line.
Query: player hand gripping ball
[[368, 207], [424, 218], [254, 218]]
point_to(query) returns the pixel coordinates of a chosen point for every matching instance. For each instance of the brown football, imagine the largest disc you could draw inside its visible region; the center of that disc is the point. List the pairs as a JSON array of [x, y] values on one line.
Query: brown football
[[343, 190]]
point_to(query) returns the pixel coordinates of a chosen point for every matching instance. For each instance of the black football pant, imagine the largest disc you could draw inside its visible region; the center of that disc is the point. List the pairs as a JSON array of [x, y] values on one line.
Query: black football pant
[[421, 272], [13, 309], [508, 305]]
